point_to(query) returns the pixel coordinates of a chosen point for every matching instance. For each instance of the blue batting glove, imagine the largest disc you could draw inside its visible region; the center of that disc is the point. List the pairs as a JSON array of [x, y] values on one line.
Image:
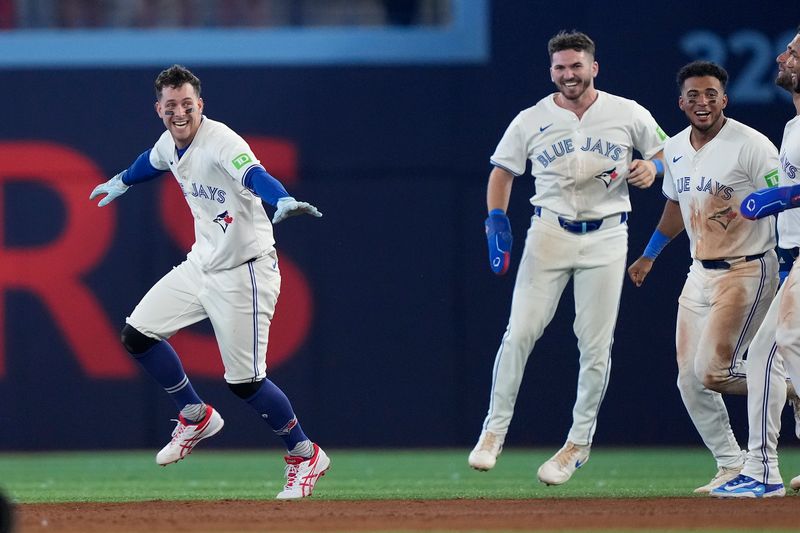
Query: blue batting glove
[[289, 207], [498, 236], [112, 189], [766, 202]]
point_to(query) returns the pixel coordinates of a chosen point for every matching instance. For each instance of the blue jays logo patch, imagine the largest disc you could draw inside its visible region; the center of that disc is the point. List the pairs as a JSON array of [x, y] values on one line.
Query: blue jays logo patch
[[224, 220], [608, 176], [724, 217]]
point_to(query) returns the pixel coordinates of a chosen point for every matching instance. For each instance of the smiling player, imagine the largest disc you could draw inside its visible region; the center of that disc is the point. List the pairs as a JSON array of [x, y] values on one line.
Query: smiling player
[[711, 166], [580, 142], [230, 276]]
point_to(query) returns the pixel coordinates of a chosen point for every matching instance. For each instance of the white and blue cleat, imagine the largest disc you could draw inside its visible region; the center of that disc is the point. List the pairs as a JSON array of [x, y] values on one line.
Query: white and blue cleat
[[746, 487]]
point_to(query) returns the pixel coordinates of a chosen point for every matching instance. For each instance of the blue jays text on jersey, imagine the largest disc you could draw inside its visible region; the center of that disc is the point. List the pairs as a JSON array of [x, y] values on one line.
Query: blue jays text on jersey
[[205, 191], [711, 186], [566, 146], [789, 169]]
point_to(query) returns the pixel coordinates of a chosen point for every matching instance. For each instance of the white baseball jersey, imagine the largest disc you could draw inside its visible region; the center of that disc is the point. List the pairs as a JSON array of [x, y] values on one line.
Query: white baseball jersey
[[789, 220], [230, 223], [710, 185], [580, 166]]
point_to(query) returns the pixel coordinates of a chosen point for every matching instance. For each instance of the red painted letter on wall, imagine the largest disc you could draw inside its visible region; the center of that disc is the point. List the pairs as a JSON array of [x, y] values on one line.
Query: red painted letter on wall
[[52, 272]]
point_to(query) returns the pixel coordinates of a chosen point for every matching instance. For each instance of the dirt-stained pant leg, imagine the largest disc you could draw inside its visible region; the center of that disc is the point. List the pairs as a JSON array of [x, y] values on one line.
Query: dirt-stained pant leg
[[598, 280], [705, 407], [544, 271], [551, 256], [739, 299], [766, 396]]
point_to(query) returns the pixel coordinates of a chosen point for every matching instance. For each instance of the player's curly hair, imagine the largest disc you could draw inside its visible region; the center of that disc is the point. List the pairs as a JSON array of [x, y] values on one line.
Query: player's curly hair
[[697, 69], [176, 76], [570, 40]]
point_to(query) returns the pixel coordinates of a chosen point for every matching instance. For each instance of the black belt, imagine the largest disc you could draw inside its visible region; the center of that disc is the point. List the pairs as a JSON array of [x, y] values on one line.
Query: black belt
[[794, 251], [719, 264]]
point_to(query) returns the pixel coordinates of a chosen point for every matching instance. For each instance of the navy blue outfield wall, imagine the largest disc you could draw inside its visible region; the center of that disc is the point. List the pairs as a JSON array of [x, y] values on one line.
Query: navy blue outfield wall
[[389, 318]]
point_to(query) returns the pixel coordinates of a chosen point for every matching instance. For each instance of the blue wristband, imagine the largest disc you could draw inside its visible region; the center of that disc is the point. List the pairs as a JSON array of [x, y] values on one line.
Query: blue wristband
[[496, 212], [657, 243], [659, 167]]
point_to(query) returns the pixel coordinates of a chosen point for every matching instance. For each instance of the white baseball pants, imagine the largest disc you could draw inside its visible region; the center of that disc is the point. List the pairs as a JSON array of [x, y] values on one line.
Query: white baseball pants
[[719, 312], [239, 302], [774, 355], [596, 263]]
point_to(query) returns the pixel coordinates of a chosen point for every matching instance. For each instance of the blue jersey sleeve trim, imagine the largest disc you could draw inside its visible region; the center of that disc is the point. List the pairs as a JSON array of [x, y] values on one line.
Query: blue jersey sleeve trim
[[269, 189], [141, 170]]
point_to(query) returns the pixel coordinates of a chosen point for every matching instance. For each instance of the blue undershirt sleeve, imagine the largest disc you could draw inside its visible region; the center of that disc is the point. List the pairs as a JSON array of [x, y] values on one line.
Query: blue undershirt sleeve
[[265, 186], [141, 170]]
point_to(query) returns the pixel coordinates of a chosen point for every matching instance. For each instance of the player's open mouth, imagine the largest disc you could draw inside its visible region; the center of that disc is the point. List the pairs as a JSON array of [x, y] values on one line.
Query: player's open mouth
[[180, 124], [702, 114], [570, 84]]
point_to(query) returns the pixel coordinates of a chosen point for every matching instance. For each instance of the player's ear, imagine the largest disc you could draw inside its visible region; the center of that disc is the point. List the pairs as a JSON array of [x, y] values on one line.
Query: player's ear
[[200, 105], [680, 102], [157, 107], [724, 101], [595, 69]]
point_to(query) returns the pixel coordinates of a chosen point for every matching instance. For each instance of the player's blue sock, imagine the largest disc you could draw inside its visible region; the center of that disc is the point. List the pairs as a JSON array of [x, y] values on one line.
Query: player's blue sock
[[274, 407], [163, 364]]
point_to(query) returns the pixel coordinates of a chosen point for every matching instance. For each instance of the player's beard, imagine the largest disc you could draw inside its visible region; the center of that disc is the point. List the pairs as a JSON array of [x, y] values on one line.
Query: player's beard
[[581, 88], [788, 80]]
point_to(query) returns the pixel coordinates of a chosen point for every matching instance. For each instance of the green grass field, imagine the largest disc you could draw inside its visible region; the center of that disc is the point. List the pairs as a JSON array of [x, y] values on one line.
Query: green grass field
[[354, 475]]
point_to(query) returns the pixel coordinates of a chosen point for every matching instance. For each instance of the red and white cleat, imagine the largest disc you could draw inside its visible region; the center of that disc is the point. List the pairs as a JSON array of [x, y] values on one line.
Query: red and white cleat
[[302, 474], [186, 435]]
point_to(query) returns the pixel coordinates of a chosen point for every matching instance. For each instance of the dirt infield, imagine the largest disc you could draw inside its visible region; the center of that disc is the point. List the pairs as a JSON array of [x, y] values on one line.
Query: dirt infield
[[409, 515]]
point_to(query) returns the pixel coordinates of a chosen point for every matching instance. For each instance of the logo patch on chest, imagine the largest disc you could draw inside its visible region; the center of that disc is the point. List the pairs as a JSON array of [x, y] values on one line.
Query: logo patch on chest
[[608, 176], [223, 220], [724, 217]]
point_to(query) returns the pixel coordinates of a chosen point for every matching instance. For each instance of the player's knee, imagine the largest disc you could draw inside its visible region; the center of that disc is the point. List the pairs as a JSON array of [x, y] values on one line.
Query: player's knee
[[245, 390], [712, 381], [136, 342]]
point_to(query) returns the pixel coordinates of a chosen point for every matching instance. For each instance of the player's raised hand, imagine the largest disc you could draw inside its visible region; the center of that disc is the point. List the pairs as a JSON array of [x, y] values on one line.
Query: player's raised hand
[[641, 173], [639, 270], [289, 207], [112, 189], [499, 238]]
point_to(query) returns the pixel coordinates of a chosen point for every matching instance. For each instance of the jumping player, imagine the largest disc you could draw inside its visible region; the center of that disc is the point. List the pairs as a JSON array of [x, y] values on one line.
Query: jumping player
[[774, 354], [711, 166], [580, 142], [230, 276]]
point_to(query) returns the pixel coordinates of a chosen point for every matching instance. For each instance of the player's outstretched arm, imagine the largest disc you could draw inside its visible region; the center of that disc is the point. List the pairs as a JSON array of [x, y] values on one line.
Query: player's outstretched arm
[[766, 202], [272, 191], [289, 207], [140, 171], [112, 189]]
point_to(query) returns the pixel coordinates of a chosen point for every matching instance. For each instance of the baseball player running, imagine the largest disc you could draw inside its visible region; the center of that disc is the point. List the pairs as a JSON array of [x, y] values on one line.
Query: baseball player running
[[711, 166], [773, 353], [230, 276], [580, 142]]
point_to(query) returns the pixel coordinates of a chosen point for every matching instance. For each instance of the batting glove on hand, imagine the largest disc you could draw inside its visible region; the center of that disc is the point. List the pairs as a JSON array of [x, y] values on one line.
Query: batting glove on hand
[[112, 189], [766, 202], [498, 235], [289, 207]]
